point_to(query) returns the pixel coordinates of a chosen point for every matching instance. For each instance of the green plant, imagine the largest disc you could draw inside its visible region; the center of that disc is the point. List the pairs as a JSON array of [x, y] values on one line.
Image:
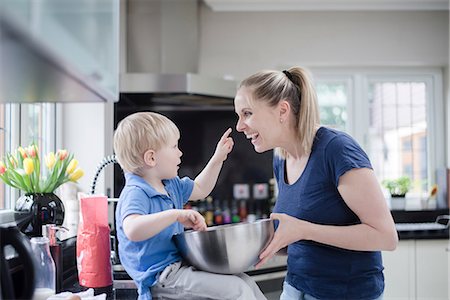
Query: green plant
[[398, 187]]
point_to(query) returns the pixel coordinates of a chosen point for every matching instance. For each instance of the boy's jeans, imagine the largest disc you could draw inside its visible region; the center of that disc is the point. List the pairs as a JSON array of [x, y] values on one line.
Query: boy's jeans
[[179, 281]]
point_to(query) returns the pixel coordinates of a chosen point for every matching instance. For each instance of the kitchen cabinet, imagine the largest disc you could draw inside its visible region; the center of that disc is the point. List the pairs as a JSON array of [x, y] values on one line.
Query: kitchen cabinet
[[431, 270], [417, 269], [59, 51], [399, 272]]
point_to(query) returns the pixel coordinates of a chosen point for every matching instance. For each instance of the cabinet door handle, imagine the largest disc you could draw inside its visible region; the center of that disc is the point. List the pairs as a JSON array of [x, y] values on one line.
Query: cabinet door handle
[[447, 249]]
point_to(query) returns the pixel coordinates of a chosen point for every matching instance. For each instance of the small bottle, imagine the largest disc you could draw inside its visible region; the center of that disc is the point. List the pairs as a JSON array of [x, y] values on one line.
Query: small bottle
[[202, 208], [251, 216], [49, 231], [209, 214], [243, 210], [218, 217], [234, 212], [45, 270], [226, 213]]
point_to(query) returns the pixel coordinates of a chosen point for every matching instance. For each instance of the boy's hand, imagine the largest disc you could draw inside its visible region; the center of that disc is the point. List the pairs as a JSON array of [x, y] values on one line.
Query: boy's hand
[[224, 146], [191, 219]]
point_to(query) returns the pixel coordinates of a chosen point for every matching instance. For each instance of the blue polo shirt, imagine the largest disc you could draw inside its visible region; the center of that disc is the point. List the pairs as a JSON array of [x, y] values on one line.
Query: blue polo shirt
[[144, 260], [323, 271]]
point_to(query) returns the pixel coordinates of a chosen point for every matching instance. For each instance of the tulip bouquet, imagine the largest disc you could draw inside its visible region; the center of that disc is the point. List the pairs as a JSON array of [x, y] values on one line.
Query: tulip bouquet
[[22, 170]]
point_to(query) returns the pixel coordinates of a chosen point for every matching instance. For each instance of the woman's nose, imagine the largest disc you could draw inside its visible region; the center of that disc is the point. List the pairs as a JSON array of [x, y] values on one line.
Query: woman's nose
[[240, 126]]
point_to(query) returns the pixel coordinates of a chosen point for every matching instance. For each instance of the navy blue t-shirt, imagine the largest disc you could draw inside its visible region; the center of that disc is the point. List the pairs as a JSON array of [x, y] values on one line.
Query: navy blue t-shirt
[[323, 271]]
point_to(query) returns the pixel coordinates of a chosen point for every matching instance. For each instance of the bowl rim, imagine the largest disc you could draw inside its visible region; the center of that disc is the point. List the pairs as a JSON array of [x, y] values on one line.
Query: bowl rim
[[223, 227]]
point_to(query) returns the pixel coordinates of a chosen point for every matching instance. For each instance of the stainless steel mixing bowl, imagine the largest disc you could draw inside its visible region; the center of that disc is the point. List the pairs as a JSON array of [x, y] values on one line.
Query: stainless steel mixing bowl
[[226, 249]]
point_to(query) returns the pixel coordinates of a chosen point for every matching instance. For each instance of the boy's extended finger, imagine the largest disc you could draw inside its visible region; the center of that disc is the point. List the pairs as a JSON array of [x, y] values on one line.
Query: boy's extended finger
[[226, 134]]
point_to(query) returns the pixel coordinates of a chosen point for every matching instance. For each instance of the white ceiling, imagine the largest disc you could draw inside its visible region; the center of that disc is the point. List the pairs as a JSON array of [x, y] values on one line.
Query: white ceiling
[[326, 5]]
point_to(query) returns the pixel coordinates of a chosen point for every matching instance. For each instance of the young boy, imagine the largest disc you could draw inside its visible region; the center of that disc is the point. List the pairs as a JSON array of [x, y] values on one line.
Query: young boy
[[150, 211]]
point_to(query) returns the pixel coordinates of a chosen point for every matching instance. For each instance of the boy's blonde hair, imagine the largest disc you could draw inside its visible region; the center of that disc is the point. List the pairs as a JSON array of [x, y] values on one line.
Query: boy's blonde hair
[[138, 133]]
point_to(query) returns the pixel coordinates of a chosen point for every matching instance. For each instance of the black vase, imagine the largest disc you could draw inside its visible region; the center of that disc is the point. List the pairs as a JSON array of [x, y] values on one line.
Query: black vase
[[34, 210]]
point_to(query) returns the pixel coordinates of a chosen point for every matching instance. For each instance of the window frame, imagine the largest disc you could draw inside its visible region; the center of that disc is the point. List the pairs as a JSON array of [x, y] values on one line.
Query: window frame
[[360, 79], [348, 82], [14, 136]]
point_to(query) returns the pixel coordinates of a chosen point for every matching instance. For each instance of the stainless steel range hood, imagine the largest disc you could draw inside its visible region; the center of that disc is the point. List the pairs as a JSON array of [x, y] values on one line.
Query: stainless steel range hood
[[160, 61], [178, 89]]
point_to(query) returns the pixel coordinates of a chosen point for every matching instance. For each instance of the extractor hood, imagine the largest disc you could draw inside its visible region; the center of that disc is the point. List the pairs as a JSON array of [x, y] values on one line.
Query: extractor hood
[[160, 61], [177, 89]]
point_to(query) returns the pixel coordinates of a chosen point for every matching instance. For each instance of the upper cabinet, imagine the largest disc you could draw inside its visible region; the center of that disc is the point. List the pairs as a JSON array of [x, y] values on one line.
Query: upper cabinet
[[59, 50]]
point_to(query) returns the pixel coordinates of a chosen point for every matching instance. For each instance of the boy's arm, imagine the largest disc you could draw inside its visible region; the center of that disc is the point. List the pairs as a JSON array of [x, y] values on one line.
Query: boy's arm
[[206, 180], [142, 227]]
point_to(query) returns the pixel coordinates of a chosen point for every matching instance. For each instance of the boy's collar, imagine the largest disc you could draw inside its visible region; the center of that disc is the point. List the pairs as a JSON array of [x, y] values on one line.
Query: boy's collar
[[138, 181]]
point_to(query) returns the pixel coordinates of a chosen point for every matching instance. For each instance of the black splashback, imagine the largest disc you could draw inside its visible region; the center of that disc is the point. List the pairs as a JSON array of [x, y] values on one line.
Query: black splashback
[[201, 127]]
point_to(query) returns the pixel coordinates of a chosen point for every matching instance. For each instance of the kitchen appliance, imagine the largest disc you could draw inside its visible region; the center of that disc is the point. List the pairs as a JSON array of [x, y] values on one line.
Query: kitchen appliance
[[163, 38], [17, 279], [226, 249], [177, 89]]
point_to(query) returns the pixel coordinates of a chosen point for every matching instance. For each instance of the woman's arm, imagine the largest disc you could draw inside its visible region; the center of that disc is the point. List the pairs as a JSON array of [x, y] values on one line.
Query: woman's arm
[[206, 180], [361, 192], [141, 227]]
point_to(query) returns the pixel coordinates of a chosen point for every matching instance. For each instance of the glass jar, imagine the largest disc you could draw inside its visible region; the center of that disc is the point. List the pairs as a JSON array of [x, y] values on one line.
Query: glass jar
[[45, 268]]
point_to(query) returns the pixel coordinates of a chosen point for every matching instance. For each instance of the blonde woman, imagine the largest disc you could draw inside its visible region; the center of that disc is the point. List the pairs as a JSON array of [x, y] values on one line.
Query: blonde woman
[[330, 211]]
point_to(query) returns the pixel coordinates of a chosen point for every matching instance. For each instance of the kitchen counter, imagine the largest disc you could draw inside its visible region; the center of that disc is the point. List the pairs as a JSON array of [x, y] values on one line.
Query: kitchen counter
[[420, 216], [125, 289]]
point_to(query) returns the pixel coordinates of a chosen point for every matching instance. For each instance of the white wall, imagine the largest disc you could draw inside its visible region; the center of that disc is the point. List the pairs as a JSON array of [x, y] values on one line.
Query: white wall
[[87, 132], [237, 43]]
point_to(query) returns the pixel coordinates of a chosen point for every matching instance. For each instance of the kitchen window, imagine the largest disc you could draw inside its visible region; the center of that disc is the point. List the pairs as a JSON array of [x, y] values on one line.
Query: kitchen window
[[3, 134], [397, 116], [20, 125], [334, 95]]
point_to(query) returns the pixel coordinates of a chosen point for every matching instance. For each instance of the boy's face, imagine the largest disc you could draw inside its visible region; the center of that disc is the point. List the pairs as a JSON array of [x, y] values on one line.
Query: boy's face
[[168, 159]]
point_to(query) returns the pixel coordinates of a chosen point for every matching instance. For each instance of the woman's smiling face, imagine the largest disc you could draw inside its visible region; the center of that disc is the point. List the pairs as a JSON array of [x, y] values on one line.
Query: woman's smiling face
[[258, 121]]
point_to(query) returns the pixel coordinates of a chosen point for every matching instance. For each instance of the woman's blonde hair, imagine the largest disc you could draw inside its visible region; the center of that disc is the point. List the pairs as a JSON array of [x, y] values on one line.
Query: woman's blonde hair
[[295, 86], [138, 133]]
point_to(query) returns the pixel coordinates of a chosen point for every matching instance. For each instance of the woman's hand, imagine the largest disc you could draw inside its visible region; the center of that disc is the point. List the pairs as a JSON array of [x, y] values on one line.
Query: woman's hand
[[289, 230], [224, 146], [191, 219]]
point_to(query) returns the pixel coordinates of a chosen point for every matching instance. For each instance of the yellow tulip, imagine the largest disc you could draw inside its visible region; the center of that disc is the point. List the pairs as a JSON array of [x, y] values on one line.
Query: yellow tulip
[[77, 174], [72, 165], [50, 160], [28, 165]]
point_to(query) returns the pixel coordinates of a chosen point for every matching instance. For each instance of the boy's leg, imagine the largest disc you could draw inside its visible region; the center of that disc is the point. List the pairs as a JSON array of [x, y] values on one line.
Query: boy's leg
[[188, 283], [252, 284]]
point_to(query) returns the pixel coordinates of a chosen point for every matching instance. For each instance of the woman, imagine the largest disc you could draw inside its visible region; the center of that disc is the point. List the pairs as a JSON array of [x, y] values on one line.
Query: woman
[[332, 215]]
